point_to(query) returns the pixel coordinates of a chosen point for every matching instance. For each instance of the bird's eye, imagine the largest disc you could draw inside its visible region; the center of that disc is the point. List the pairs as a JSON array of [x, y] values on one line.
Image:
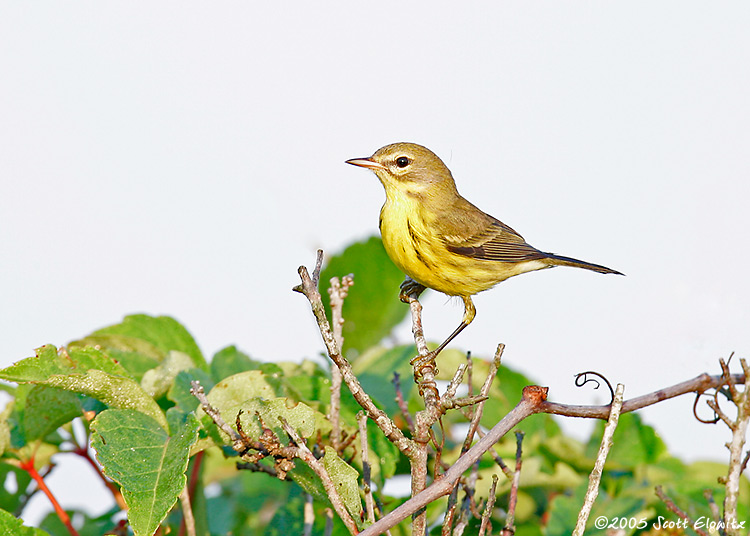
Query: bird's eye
[[402, 161]]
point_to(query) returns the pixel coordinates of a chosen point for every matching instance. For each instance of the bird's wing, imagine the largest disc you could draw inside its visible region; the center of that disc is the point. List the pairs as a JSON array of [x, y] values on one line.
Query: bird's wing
[[473, 233]]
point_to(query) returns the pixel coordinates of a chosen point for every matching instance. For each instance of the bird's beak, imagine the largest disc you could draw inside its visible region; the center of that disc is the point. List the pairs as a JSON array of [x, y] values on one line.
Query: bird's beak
[[368, 163]]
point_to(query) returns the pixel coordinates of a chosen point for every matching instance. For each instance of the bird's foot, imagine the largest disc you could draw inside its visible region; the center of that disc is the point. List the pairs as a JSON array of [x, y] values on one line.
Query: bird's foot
[[410, 290], [423, 364], [425, 371]]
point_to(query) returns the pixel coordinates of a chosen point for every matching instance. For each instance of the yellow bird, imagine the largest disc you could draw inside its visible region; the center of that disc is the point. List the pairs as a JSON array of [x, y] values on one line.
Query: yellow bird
[[440, 240]]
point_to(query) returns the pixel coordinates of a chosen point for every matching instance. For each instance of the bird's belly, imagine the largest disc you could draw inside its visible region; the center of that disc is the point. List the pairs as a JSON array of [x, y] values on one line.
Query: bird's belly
[[425, 259]]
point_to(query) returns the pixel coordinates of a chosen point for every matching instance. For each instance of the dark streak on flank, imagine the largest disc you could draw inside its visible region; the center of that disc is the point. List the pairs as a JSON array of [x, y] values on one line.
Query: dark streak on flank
[[416, 242]]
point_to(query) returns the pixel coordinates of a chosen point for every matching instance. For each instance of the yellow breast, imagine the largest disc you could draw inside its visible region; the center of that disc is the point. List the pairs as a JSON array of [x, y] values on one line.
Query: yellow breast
[[420, 253]]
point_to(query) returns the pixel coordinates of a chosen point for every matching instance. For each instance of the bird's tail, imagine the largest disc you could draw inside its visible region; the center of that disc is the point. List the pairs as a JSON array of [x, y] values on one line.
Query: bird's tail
[[559, 260]]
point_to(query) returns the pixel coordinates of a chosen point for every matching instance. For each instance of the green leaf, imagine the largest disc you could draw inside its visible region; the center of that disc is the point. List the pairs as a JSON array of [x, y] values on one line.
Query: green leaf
[[372, 308], [384, 455], [9, 524], [5, 427], [229, 361], [88, 371], [13, 501], [344, 478], [146, 334], [46, 409], [375, 369], [157, 381], [564, 510], [634, 443], [48, 361], [228, 395], [114, 391], [305, 420], [179, 392], [147, 462]]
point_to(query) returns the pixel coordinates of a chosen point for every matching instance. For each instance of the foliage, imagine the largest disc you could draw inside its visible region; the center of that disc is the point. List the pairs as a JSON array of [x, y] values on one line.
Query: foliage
[[129, 384]]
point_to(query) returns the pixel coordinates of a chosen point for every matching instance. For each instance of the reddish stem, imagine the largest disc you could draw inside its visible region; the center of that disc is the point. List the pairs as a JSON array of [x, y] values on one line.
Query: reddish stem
[[192, 484], [28, 466], [116, 493]]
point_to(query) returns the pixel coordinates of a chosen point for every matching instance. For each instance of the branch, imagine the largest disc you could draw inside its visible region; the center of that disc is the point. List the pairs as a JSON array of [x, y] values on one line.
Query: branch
[[596, 474], [531, 402], [736, 446], [28, 466], [488, 508], [187, 512], [510, 519], [699, 384], [369, 505], [337, 292], [309, 288], [307, 456]]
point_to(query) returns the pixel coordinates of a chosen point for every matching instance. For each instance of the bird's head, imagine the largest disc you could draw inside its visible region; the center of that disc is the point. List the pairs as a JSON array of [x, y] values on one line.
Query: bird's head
[[408, 168]]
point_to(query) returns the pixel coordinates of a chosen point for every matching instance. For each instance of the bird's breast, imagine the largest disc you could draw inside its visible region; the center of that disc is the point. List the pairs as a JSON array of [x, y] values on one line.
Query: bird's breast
[[415, 246]]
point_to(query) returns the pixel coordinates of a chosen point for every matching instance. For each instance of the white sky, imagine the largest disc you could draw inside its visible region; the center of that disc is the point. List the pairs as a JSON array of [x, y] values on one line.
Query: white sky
[[185, 158]]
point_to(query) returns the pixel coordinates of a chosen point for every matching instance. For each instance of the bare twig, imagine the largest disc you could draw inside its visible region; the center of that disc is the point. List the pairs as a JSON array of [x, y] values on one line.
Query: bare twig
[[736, 446], [698, 384], [187, 512], [450, 391], [709, 495], [488, 508], [402, 403], [669, 503], [366, 469], [596, 474], [317, 466], [450, 512], [467, 504], [533, 397], [744, 462], [484, 391], [196, 389], [309, 288], [510, 519], [329, 522], [424, 373], [308, 516], [337, 292]]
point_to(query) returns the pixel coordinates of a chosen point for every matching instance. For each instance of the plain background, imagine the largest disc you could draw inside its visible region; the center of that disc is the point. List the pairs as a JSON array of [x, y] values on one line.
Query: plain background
[[185, 158]]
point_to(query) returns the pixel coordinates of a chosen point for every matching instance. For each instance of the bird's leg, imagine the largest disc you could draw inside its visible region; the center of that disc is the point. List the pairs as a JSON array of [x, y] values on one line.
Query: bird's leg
[[469, 313]]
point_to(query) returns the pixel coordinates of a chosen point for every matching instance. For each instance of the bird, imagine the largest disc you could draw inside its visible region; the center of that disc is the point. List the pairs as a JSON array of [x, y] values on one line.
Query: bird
[[442, 241]]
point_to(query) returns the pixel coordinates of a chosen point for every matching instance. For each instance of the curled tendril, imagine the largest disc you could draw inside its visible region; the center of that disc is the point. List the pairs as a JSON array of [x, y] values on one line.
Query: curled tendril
[[582, 379], [695, 408]]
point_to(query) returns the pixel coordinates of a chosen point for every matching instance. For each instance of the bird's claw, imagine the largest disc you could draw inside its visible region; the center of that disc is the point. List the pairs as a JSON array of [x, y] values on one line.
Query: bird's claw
[[423, 362]]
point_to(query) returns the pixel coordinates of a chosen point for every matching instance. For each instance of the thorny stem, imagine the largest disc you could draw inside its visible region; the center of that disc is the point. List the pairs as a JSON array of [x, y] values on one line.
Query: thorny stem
[[28, 466], [596, 474]]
